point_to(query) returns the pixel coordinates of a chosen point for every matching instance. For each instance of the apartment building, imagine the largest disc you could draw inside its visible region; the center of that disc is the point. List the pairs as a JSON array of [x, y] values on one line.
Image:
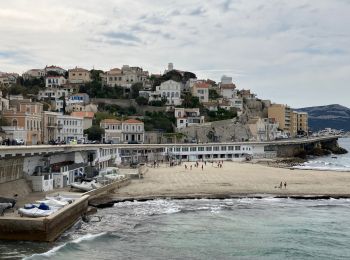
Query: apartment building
[[291, 122], [55, 81], [187, 117], [24, 116], [33, 74], [124, 77], [79, 76], [201, 90], [128, 131], [69, 128], [281, 114]]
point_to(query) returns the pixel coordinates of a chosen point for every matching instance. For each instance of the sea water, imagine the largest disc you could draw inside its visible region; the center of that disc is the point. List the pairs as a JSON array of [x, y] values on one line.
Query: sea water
[[330, 162], [267, 228]]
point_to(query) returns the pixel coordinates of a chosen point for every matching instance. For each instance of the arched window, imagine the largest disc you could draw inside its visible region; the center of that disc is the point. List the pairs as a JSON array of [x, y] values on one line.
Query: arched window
[[14, 122]]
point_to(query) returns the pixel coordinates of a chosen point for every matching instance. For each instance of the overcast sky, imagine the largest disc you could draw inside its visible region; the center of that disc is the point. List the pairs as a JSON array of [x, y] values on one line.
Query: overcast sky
[[293, 52]]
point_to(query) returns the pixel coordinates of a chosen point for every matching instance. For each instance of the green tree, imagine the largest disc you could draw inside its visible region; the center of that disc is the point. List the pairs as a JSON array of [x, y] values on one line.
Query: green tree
[[190, 101], [135, 89], [142, 101], [99, 116], [213, 94], [94, 133]]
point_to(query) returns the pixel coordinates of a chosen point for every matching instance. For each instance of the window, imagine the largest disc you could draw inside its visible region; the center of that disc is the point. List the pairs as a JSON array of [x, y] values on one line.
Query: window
[[237, 148], [193, 149], [223, 148], [208, 148], [178, 149], [200, 149], [185, 149], [230, 148], [216, 148]]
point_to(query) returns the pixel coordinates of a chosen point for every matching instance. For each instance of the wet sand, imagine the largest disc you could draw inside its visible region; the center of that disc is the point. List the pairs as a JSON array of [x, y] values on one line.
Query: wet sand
[[235, 178]]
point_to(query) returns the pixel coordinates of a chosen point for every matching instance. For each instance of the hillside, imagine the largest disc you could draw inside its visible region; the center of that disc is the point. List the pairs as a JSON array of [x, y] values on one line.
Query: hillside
[[334, 116]]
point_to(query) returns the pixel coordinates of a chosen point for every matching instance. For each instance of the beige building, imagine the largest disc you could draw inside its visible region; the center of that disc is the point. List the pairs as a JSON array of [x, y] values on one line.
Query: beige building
[[113, 130], [86, 116], [26, 116], [291, 122], [79, 76], [303, 125], [128, 131], [33, 73], [201, 90], [281, 114], [124, 77]]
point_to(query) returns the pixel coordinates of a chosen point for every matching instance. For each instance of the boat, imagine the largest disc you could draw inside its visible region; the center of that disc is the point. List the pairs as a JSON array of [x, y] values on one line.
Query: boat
[[6, 203], [36, 212], [85, 186], [109, 174]]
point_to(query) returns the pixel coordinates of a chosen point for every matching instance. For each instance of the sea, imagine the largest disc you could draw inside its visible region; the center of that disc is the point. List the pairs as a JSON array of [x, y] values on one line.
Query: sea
[[268, 228]]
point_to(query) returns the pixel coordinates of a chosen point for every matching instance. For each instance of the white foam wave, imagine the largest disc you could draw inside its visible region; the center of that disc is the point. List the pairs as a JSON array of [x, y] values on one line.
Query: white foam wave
[[51, 252]]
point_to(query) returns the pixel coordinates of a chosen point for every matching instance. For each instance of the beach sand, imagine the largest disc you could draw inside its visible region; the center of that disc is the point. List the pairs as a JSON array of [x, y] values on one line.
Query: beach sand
[[235, 178]]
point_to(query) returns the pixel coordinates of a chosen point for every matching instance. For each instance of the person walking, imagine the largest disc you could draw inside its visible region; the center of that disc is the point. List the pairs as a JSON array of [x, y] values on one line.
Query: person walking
[[285, 185], [202, 167]]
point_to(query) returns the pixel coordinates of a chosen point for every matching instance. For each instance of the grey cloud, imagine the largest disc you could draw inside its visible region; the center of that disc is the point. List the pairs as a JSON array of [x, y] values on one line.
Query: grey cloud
[[199, 11], [122, 37]]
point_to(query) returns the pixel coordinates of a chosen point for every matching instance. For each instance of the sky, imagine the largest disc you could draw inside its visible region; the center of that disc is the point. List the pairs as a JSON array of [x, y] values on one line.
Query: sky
[[291, 52]]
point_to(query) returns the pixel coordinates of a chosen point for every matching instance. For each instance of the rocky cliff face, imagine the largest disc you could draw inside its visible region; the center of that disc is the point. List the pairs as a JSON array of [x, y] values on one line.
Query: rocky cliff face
[[333, 116], [219, 131]]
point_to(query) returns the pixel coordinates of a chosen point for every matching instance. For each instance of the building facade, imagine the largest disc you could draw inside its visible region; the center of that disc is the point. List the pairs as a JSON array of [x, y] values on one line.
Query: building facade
[[171, 90], [200, 90], [25, 116], [79, 76], [55, 81], [187, 117]]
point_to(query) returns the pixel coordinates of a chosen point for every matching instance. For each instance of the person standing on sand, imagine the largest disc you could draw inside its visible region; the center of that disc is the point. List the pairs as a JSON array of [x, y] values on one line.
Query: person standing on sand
[[281, 185], [202, 167], [285, 185], [191, 167]]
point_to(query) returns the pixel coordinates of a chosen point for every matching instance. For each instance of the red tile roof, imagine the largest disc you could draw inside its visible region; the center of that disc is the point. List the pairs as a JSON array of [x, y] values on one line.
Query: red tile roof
[[83, 114], [133, 121], [201, 85]]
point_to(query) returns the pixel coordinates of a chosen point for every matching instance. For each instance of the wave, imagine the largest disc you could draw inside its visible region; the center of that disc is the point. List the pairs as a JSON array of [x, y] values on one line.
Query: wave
[[53, 251]]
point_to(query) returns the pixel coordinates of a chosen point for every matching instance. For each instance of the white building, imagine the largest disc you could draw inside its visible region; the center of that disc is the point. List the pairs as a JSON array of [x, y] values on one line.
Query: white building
[[188, 117], [265, 129], [171, 90], [55, 69], [113, 131], [70, 128], [52, 93], [55, 81]]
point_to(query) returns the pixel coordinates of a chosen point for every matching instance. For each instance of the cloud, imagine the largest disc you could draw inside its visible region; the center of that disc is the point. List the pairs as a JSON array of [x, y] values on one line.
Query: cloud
[[277, 48], [121, 36]]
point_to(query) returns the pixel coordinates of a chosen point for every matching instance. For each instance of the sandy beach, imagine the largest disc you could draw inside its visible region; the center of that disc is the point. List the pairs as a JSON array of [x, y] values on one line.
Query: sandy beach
[[235, 178]]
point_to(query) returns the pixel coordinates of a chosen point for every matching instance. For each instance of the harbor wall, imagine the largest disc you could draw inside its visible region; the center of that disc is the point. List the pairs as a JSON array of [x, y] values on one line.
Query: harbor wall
[[42, 229]]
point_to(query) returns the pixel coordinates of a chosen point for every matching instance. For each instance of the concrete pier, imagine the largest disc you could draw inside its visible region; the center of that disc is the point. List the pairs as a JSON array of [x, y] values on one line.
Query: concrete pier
[[48, 229]]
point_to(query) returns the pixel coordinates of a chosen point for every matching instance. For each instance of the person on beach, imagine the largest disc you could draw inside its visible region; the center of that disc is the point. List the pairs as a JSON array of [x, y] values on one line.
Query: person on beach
[[281, 185], [285, 185], [185, 167], [191, 167], [202, 167]]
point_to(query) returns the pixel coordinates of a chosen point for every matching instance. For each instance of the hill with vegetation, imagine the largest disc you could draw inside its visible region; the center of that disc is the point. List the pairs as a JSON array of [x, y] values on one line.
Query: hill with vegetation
[[334, 116]]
